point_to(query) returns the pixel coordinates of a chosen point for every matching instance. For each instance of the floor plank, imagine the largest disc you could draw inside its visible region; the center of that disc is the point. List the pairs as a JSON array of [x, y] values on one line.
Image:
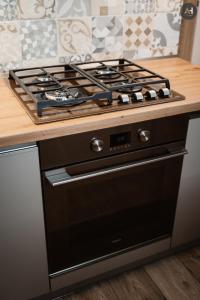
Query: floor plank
[[101, 291], [174, 280], [191, 260], [136, 285]]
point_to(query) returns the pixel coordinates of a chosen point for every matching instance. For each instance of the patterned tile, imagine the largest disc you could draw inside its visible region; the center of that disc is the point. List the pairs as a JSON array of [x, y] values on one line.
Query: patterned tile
[[107, 7], [40, 62], [107, 34], [73, 8], [8, 10], [137, 53], [164, 51], [138, 33], [10, 50], [36, 9], [166, 36], [39, 39], [130, 28], [107, 55], [139, 6], [75, 58], [174, 17], [168, 5], [74, 36]]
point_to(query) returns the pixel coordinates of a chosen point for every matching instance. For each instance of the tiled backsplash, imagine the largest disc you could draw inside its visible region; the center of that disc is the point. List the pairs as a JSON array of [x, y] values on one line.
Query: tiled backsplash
[[40, 32]]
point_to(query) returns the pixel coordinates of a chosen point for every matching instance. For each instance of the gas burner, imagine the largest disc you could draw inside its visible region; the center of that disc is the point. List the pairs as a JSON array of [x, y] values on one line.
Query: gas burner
[[63, 94], [44, 82], [44, 79], [125, 87], [53, 93], [106, 73]]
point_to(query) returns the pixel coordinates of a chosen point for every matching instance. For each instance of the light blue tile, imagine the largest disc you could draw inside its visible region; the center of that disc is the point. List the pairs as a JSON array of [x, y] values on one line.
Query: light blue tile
[[8, 10], [73, 8], [139, 6], [107, 34], [39, 39]]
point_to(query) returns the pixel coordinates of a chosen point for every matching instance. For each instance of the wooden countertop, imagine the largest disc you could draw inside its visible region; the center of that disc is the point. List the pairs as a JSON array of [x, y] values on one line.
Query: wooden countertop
[[16, 126]]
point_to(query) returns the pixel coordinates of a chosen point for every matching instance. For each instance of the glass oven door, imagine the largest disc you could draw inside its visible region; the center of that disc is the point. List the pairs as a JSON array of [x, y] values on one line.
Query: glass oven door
[[101, 207]]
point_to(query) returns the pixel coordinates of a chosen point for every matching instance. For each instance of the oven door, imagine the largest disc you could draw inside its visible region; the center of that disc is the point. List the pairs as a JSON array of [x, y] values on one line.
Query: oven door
[[105, 206]]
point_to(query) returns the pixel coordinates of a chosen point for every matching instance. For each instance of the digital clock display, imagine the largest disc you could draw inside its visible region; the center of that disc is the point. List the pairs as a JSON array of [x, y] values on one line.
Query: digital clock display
[[120, 139]]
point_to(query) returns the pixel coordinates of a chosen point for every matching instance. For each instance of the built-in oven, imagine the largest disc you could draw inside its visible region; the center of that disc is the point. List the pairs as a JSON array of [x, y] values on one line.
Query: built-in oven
[[109, 191]]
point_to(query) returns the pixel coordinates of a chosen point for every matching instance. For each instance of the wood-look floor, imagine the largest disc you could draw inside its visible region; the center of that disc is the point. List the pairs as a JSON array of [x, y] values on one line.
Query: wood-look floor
[[173, 278]]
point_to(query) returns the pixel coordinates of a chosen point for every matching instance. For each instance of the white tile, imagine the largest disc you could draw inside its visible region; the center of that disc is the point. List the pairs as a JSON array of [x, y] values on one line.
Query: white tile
[[34, 9], [74, 36], [10, 49]]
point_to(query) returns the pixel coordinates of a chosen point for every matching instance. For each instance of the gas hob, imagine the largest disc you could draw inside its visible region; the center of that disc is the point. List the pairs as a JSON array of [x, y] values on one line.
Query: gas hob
[[59, 92]]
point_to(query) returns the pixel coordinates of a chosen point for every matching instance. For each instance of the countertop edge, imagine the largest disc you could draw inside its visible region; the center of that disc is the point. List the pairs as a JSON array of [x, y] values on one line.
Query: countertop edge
[[131, 116]]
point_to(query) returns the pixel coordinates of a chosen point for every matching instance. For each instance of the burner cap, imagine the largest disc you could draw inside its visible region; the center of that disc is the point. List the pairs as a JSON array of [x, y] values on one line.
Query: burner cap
[[62, 95], [126, 87], [106, 73], [44, 79]]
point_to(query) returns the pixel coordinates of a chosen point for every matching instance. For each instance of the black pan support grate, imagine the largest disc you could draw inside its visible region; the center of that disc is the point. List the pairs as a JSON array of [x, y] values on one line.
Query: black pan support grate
[[126, 70], [70, 75], [99, 84]]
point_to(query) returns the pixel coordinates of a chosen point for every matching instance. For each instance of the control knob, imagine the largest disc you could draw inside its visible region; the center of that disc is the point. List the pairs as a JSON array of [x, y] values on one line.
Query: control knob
[[97, 145], [144, 136]]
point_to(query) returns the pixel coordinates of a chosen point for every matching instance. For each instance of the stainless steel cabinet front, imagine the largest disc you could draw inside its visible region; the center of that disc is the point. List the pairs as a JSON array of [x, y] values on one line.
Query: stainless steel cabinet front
[[23, 262], [187, 220]]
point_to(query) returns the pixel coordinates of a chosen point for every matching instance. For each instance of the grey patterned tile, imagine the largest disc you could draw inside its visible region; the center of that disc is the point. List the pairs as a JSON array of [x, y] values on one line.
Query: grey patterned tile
[[74, 36], [164, 51], [168, 5], [137, 54], [107, 34], [8, 10], [75, 58], [39, 39], [10, 50], [107, 55], [139, 6], [107, 7], [166, 36], [69, 8], [130, 54], [38, 62], [174, 17], [36, 9]]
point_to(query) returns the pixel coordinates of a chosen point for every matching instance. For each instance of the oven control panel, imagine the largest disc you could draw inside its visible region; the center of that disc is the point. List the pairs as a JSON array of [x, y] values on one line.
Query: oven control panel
[[120, 141], [106, 142]]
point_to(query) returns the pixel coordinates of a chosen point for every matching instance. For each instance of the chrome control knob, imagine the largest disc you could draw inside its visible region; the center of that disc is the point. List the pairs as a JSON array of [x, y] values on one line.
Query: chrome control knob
[[97, 145], [144, 136]]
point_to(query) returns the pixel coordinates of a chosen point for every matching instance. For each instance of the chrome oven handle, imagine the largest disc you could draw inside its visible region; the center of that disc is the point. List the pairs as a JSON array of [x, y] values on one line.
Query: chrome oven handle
[[61, 177]]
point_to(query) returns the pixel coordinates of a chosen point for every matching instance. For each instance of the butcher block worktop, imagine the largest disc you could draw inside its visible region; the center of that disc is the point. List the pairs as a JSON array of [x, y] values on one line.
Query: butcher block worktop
[[16, 127]]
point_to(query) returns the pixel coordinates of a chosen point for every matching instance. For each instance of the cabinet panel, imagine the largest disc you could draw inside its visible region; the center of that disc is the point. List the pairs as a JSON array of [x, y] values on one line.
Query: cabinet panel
[[187, 221], [23, 261]]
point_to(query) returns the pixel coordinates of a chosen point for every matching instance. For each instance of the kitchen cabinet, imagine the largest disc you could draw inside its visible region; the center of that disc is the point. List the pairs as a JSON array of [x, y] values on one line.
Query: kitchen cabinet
[[187, 220], [23, 261]]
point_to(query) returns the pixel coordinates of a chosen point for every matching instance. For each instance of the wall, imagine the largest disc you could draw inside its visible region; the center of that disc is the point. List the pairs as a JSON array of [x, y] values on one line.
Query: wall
[[40, 32], [196, 44]]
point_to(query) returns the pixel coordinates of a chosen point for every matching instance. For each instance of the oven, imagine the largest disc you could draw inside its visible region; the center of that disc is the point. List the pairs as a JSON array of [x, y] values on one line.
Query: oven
[[109, 191]]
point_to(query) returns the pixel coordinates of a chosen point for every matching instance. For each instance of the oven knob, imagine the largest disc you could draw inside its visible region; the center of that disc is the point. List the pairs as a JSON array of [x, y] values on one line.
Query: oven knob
[[151, 95], [144, 136], [97, 145], [164, 93]]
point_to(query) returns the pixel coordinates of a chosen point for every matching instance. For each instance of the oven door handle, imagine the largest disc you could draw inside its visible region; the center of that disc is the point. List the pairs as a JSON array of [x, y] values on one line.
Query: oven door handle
[[61, 177]]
